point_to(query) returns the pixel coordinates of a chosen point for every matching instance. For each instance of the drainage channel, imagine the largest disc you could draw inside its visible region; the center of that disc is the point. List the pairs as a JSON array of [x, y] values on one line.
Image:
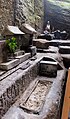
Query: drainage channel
[[35, 101]]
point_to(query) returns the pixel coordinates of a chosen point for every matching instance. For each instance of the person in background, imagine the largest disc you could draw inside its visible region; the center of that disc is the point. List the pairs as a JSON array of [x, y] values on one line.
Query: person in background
[[48, 32], [48, 27]]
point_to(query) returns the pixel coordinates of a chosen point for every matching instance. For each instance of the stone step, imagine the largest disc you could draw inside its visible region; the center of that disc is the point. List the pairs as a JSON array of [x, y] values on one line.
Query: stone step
[[42, 43], [60, 42], [65, 42], [64, 49]]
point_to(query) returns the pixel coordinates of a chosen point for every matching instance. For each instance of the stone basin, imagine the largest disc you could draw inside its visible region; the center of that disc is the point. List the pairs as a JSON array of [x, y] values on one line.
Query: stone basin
[[48, 67], [47, 106], [19, 53], [35, 101]]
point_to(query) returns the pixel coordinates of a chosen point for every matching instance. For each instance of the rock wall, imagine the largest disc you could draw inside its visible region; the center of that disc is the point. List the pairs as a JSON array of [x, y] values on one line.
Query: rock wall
[[6, 13], [30, 11], [3, 52], [16, 12], [39, 14], [24, 11]]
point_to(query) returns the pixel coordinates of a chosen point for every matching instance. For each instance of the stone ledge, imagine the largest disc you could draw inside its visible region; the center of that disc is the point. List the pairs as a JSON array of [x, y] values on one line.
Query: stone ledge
[[2, 72], [14, 85], [18, 53], [9, 65], [24, 57]]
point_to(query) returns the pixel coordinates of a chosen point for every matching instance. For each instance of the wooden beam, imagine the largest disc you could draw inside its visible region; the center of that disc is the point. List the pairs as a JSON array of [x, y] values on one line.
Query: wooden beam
[[66, 104]]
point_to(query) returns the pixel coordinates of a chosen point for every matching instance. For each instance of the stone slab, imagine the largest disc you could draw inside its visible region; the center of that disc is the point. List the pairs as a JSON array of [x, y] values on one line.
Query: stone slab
[[64, 49], [9, 65], [64, 42], [9, 72], [60, 42], [24, 57], [2, 72], [38, 94], [18, 53]]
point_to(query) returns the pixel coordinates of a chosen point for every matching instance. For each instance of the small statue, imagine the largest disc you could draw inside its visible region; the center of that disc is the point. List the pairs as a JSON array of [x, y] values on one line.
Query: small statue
[[48, 27]]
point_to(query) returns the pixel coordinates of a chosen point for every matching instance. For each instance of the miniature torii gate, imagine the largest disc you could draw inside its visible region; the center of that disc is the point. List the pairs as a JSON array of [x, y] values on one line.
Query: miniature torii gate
[[66, 104]]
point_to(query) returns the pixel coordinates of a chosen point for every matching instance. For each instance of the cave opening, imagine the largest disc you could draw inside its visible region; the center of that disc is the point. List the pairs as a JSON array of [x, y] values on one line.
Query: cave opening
[[58, 13]]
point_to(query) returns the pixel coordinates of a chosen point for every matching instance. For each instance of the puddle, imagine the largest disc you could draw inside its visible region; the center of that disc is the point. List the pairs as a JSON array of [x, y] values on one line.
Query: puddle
[[36, 100]]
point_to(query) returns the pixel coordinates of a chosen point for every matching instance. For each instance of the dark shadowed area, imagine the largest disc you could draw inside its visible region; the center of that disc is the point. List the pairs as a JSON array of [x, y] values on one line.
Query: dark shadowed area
[[58, 13]]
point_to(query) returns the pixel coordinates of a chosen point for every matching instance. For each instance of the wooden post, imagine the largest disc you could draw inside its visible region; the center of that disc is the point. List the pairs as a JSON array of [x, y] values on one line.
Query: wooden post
[[66, 104]]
